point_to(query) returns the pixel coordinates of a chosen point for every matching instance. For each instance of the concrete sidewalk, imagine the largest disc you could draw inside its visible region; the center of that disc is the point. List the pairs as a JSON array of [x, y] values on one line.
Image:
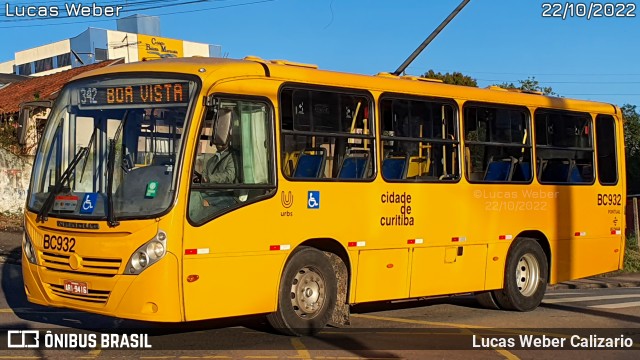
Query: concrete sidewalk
[[10, 245], [598, 282]]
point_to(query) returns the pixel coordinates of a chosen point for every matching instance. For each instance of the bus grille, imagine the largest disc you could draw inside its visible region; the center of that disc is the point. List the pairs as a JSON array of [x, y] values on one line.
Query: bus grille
[[94, 296], [89, 265]]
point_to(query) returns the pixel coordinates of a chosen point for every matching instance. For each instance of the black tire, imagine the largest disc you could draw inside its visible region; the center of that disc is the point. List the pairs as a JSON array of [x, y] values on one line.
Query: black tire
[[487, 300], [525, 277], [305, 310]]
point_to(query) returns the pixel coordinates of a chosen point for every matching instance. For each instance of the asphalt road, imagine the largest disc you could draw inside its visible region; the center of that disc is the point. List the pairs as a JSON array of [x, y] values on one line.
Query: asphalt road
[[412, 330], [446, 327]]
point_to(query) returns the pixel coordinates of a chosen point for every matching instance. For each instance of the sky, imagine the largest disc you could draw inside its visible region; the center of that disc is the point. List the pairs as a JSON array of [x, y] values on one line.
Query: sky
[[493, 41]]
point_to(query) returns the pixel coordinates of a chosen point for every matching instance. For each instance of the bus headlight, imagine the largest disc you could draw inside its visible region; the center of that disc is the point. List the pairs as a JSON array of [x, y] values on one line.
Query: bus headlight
[[148, 254], [29, 251]]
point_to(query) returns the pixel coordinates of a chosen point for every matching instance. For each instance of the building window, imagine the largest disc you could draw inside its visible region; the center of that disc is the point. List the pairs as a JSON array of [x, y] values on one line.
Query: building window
[[64, 60], [24, 69], [101, 54], [44, 64]]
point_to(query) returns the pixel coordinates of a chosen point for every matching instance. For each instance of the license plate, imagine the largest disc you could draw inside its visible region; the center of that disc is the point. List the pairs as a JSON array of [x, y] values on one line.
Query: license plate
[[76, 287]]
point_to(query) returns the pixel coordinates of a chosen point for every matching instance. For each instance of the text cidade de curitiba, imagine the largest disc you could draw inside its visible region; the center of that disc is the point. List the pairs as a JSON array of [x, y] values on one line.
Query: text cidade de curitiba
[[66, 10]]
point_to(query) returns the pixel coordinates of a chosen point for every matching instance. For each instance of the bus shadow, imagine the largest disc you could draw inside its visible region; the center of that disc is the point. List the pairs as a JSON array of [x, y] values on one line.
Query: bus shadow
[[466, 300]]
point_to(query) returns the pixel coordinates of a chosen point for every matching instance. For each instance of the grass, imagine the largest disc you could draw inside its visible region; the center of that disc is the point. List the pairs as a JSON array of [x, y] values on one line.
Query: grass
[[632, 255]]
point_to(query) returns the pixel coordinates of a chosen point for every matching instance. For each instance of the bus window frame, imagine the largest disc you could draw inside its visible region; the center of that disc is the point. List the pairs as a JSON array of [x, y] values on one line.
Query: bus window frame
[[530, 140], [178, 167], [340, 91], [431, 99], [273, 178], [593, 146], [615, 148]]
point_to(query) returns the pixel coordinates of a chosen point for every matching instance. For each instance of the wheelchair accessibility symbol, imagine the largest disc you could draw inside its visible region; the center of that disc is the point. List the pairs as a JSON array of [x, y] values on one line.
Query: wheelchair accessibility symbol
[[313, 200], [88, 203]]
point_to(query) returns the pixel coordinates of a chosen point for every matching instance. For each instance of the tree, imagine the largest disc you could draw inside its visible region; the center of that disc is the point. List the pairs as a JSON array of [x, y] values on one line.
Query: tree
[[632, 147], [455, 78], [529, 84]]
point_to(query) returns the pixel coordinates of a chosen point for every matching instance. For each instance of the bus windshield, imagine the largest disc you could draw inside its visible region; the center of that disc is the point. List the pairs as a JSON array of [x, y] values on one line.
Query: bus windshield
[[110, 147]]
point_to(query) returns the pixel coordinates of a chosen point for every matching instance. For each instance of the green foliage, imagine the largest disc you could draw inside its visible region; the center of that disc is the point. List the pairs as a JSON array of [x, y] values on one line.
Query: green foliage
[[529, 84], [632, 147], [8, 134], [455, 78], [631, 255]]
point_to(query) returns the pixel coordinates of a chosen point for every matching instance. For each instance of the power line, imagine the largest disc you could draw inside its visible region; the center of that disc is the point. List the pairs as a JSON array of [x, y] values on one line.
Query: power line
[[170, 13], [564, 82], [467, 72]]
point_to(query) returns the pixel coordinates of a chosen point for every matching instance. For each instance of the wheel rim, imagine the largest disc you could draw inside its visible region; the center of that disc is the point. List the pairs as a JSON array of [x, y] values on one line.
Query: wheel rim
[[528, 274], [308, 292]]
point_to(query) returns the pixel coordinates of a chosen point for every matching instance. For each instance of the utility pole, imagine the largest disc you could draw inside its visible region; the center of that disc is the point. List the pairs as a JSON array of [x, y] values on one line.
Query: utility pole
[[428, 40]]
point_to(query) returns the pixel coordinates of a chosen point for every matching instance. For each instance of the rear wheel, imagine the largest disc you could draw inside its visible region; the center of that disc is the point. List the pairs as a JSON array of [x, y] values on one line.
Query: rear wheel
[[487, 300], [307, 294], [525, 278]]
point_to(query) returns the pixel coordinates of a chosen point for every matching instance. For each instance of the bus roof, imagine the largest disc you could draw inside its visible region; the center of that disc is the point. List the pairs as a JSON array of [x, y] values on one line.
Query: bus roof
[[287, 71]]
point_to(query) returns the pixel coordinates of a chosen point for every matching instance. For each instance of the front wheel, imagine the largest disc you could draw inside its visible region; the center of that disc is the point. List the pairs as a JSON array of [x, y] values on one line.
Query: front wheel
[[525, 278], [307, 294]]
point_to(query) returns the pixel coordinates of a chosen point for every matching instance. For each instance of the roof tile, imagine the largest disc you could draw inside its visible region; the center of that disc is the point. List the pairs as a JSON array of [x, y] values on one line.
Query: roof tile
[[12, 95]]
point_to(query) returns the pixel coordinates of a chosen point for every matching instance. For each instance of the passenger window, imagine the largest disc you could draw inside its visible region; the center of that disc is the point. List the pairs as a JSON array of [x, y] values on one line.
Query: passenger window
[[420, 140], [231, 165], [564, 147], [326, 134], [497, 144], [606, 149]]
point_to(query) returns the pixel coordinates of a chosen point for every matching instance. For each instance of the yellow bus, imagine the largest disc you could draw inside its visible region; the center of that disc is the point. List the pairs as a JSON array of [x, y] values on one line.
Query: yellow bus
[[188, 189]]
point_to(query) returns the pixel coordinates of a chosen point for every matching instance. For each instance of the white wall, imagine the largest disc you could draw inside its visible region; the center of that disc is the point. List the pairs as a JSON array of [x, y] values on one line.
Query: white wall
[[14, 180], [195, 49], [122, 45], [43, 52], [52, 71], [7, 67]]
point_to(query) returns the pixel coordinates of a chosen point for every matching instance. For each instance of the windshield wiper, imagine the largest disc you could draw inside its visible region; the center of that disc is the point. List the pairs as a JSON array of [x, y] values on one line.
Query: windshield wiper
[[48, 203], [84, 165], [111, 216]]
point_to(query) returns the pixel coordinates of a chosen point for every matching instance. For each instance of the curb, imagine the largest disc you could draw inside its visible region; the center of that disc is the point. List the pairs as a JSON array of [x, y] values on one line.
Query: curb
[[594, 285]]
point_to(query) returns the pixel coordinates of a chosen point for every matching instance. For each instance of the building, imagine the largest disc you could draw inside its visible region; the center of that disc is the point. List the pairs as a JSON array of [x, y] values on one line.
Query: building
[[137, 39]]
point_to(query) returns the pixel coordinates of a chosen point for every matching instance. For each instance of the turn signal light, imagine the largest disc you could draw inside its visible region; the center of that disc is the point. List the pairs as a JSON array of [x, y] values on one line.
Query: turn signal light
[[192, 278]]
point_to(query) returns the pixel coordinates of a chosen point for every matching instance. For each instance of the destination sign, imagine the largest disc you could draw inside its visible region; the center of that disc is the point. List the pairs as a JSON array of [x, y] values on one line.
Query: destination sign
[[168, 93]]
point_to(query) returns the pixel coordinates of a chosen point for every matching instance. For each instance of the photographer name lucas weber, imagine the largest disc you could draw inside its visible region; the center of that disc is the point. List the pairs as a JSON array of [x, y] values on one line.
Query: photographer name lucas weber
[[88, 9], [548, 342]]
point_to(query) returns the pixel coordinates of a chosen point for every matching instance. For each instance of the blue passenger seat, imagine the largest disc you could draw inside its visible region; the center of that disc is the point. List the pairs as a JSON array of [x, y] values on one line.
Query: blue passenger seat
[[395, 168], [500, 170], [555, 170], [353, 167], [310, 165]]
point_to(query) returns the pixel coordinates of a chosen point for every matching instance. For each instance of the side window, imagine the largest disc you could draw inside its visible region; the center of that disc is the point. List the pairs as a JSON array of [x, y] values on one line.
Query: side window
[[326, 134], [606, 150], [232, 159], [420, 140], [497, 143], [564, 147]]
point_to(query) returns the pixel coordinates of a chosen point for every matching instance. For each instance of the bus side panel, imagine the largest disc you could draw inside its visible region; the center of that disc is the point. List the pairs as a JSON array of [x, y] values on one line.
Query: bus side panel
[[578, 258], [388, 267], [231, 285], [496, 260], [238, 273], [448, 270]]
